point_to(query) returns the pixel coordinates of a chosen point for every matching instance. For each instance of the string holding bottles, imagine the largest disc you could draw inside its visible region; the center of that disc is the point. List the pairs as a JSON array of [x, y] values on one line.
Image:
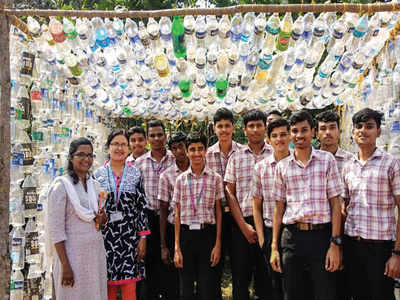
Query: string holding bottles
[[189, 66]]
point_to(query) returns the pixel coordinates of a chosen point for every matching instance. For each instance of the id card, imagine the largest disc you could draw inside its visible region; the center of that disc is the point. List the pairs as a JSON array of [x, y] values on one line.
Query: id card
[[117, 216], [195, 225]]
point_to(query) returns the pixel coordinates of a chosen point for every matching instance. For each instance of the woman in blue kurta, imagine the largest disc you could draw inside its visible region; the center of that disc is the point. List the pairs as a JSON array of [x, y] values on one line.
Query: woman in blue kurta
[[126, 228]]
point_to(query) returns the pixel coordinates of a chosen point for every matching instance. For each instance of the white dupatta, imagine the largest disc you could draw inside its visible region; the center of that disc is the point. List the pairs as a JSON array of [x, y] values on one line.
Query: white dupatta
[[85, 214]]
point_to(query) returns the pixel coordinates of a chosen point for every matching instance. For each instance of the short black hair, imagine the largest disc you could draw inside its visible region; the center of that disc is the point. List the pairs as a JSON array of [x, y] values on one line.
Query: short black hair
[[113, 134], [176, 137], [274, 112], [136, 129], [276, 124], [223, 114], [195, 137], [254, 115], [366, 114], [327, 116], [300, 116], [155, 123]]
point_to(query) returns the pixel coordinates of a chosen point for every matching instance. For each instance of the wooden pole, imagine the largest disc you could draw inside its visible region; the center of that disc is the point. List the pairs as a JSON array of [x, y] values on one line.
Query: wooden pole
[[5, 149], [266, 8]]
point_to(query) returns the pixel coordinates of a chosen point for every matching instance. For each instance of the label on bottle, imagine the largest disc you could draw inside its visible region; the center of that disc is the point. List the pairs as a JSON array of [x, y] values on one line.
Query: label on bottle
[[17, 159], [27, 63], [71, 35], [272, 30], [18, 284], [16, 243], [30, 198], [37, 136], [58, 37], [32, 243], [214, 32], [76, 70], [27, 151], [24, 106], [295, 35]]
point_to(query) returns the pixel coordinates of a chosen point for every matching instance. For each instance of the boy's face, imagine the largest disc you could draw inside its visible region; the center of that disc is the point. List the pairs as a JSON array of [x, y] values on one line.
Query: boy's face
[[301, 134], [328, 133], [156, 137], [255, 131], [196, 153], [137, 142], [279, 139], [366, 133], [179, 151], [224, 130]]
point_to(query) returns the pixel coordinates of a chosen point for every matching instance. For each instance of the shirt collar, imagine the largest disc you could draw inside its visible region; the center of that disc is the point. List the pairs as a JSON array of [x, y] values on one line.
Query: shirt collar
[[266, 148], [206, 170], [314, 154], [165, 157], [216, 148], [377, 153]]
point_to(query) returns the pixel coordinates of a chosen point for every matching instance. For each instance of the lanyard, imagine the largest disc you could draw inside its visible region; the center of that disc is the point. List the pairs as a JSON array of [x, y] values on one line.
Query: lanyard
[[158, 170], [113, 183], [191, 192]]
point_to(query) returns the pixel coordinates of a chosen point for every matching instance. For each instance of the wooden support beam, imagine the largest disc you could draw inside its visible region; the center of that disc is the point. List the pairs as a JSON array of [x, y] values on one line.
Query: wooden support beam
[[5, 149], [266, 8]]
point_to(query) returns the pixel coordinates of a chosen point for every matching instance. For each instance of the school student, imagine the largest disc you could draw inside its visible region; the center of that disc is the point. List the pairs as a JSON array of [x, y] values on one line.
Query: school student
[[151, 165], [372, 194], [306, 190], [170, 282], [197, 197], [246, 256], [263, 203], [216, 159], [328, 133], [137, 143]]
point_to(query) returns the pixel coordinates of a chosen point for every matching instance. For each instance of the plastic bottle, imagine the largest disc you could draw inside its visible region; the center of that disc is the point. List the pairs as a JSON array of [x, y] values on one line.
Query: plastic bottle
[[17, 285], [283, 39], [56, 30], [236, 28], [178, 37], [132, 31]]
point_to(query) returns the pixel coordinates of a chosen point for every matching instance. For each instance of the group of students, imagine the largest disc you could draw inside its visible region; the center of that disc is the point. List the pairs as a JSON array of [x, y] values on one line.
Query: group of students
[[304, 223]]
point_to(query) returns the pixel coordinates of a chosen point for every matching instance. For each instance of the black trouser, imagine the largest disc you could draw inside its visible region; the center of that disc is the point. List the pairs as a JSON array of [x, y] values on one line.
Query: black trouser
[[196, 247], [365, 267], [170, 278], [306, 250], [246, 260], [150, 288], [274, 277], [226, 244]]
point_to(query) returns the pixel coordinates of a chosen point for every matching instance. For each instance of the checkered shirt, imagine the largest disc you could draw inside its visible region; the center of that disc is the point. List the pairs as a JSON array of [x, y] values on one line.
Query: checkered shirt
[[217, 161], [307, 190], [240, 170], [166, 189], [261, 185], [204, 211], [151, 170], [342, 157], [371, 189]]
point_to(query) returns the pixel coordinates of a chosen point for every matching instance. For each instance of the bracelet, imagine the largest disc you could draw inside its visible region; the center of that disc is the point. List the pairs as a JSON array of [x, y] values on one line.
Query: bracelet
[[396, 252]]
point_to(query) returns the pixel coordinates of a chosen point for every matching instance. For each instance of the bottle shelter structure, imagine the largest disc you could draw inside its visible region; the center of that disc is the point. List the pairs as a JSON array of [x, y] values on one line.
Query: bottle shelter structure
[[253, 66]]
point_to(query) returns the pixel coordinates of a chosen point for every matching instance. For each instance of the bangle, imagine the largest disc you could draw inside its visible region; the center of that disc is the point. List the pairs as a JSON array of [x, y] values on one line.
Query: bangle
[[396, 252]]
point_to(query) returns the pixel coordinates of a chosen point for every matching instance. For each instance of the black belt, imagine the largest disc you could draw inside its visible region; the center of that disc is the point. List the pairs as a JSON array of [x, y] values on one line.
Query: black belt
[[362, 240], [308, 226], [202, 226]]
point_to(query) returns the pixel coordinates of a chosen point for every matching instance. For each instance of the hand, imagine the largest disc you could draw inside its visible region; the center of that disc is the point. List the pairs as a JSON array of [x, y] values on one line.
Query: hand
[[178, 259], [392, 267], [333, 258], [67, 277], [250, 233], [165, 257], [275, 261], [101, 217], [141, 249], [215, 255]]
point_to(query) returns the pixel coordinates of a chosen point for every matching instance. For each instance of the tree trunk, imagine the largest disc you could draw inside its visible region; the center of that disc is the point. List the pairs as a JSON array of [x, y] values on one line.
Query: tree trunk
[[5, 145]]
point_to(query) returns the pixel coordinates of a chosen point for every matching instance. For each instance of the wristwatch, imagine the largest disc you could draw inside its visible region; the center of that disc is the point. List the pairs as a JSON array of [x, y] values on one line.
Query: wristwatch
[[337, 240]]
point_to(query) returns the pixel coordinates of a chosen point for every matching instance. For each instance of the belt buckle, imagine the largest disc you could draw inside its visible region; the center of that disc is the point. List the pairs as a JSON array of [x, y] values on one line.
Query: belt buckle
[[304, 226]]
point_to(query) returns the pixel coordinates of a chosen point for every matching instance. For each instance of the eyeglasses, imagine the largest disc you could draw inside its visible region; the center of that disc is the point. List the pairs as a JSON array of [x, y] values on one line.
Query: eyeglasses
[[82, 155], [118, 145]]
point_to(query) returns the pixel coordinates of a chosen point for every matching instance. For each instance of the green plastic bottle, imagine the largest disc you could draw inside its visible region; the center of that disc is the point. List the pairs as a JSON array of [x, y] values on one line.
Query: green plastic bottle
[[178, 37], [221, 87], [185, 87], [283, 39]]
